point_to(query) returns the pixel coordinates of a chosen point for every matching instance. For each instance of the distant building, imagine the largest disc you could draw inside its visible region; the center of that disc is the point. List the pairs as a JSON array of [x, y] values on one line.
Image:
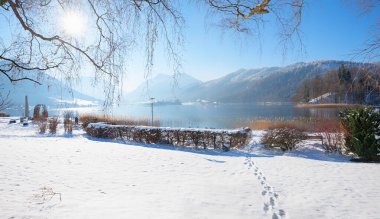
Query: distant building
[[325, 98]]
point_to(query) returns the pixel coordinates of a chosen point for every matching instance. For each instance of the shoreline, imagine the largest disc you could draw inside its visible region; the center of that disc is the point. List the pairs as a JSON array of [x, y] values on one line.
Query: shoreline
[[326, 105]]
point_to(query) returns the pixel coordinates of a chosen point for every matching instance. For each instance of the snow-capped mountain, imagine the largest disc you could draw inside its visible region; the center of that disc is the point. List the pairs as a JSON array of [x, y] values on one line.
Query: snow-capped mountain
[[264, 84], [163, 88]]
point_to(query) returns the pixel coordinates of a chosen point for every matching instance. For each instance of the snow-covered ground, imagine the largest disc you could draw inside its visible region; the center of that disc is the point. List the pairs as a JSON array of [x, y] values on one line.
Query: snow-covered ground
[[112, 179]]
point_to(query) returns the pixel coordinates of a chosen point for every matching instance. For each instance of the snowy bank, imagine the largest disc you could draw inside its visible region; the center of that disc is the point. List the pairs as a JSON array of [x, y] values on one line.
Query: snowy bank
[[105, 178]]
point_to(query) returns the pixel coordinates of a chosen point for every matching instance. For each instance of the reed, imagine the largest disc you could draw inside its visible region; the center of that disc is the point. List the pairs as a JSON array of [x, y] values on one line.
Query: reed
[[85, 119], [327, 105], [302, 124]]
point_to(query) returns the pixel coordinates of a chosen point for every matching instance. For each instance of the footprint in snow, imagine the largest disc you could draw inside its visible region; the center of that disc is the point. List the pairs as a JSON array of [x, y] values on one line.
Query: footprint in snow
[[267, 191], [274, 216], [266, 207], [272, 202]]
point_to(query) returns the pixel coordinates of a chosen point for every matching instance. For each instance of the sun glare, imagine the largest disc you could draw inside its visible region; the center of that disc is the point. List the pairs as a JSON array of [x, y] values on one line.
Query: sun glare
[[73, 24]]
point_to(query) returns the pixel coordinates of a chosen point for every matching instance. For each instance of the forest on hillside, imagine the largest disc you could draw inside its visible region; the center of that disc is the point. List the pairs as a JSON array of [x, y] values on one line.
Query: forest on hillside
[[354, 85]]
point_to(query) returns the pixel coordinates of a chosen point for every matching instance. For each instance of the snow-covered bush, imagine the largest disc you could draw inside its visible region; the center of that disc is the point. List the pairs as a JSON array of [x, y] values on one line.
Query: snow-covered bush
[[188, 137], [53, 123], [361, 127], [283, 138]]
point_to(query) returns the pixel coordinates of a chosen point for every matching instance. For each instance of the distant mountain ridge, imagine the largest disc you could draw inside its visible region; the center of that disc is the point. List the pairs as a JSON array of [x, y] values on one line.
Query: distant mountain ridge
[[52, 92], [162, 87], [274, 84]]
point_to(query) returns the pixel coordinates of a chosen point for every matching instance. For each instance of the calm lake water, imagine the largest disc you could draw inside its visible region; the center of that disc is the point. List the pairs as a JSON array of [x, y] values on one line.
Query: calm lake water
[[228, 115]]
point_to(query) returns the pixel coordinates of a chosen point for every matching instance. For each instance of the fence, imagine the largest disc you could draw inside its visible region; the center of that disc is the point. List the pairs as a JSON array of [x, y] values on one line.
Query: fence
[[216, 139]]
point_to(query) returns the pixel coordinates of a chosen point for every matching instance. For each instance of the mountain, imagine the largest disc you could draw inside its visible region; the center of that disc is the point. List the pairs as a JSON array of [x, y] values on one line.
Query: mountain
[[264, 84], [163, 88], [51, 93], [87, 86]]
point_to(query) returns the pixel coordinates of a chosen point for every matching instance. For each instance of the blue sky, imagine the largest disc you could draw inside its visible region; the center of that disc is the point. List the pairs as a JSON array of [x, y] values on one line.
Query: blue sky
[[331, 29]]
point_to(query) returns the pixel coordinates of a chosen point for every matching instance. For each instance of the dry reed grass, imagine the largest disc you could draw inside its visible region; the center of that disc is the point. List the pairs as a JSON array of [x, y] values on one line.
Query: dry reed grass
[[85, 119], [327, 105], [301, 124]]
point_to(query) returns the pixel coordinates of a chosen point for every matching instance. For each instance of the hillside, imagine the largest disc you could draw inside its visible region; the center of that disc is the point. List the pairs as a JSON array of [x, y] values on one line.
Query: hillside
[[265, 84], [51, 92], [162, 87]]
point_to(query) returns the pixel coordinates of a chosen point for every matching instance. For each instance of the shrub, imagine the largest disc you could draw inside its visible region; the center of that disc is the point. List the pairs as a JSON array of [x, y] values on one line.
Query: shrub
[[42, 127], [361, 127], [333, 142], [332, 136], [53, 123], [283, 138], [68, 121], [40, 113], [186, 137], [2, 114]]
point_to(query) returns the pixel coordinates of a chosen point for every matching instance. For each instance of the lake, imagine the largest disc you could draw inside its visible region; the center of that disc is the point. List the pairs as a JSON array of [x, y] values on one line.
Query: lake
[[226, 115], [223, 115]]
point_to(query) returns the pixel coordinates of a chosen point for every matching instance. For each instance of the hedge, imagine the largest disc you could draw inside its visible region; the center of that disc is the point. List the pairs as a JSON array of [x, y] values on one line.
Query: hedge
[[216, 139]]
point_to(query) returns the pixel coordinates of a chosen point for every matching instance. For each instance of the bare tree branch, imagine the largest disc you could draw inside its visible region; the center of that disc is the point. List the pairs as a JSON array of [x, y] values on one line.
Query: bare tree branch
[[4, 100], [116, 27]]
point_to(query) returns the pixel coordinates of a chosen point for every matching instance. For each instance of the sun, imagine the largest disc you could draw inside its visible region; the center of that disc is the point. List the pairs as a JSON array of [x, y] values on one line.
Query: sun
[[73, 24]]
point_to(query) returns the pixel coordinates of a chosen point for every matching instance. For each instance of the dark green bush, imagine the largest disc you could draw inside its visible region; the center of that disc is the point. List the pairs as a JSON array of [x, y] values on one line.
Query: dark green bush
[[361, 126], [283, 138]]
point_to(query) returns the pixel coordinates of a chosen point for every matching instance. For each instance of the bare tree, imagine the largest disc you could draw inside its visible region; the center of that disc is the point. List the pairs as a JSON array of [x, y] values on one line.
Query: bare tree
[[41, 46], [37, 44], [4, 100], [371, 48], [247, 15]]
